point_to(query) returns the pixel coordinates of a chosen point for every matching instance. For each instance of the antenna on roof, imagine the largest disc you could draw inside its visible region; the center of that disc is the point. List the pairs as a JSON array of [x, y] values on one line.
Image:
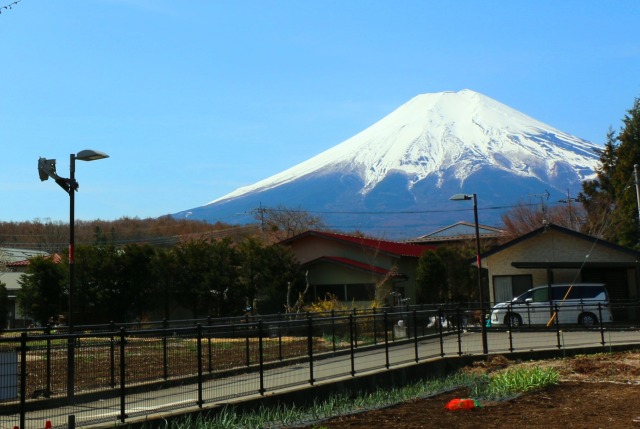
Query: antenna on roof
[[568, 202], [543, 208]]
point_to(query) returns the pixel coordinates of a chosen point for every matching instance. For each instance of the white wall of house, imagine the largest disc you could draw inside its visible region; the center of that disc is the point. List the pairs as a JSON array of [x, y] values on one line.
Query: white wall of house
[[552, 246], [14, 316]]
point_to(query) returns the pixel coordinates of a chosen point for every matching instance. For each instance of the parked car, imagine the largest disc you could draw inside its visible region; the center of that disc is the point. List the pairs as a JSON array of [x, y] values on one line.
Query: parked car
[[581, 303]]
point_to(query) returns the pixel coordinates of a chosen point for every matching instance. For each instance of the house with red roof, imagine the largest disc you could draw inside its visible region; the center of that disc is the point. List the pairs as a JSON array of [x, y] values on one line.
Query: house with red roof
[[13, 264], [358, 269]]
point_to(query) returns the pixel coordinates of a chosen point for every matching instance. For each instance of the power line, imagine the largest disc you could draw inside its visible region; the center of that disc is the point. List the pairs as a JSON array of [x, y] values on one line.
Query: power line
[[340, 212], [9, 6]]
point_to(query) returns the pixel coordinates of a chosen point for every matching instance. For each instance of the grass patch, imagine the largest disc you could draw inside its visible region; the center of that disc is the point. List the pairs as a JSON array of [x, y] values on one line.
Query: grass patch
[[495, 387], [511, 382]]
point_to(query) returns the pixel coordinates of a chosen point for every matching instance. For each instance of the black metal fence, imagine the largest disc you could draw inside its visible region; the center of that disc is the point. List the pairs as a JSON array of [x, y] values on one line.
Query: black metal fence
[[116, 373]]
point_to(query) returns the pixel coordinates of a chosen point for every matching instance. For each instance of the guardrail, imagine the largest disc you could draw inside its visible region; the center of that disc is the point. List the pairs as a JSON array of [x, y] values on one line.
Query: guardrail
[[120, 374]]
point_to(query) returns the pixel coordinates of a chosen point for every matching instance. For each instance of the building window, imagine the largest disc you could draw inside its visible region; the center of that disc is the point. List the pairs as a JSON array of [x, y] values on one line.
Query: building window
[[349, 292], [505, 288], [361, 292], [325, 291]]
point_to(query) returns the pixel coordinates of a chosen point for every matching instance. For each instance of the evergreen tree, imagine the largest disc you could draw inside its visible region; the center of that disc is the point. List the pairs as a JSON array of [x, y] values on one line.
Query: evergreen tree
[[193, 285], [98, 287], [445, 275], [431, 279], [598, 195], [610, 200], [42, 287], [221, 279], [264, 276], [137, 282]]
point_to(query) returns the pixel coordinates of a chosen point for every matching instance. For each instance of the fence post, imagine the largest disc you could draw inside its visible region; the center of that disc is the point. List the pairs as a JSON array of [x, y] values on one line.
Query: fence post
[[112, 355], [333, 329], [440, 331], [558, 334], [393, 331], [386, 339], [261, 356], [351, 348], [510, 332], [355, 328], [199, 347], [415, 333], [123, 375], [280, 321], [48, 333], [601, 324], [71, 366], [510, 328], [310, 347], [459, 326], [209, 347], [23, 379], [375, 331], [165, 358], [247, 341]]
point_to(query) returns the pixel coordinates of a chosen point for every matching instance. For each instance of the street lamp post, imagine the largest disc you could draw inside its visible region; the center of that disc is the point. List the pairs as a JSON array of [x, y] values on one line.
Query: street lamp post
[[483, 326], [46, 169]]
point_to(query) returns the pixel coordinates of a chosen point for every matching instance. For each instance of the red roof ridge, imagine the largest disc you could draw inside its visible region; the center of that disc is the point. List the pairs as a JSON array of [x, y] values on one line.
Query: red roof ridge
[[393, 247]]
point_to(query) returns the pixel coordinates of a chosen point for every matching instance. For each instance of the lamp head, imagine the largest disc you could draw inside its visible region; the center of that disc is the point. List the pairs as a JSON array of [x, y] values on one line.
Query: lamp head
[[461, 197], [90, 155]]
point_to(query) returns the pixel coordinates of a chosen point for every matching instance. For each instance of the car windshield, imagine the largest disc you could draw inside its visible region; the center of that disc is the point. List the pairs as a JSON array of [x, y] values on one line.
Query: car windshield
[[523, 297], [536, 295], [561, 293]]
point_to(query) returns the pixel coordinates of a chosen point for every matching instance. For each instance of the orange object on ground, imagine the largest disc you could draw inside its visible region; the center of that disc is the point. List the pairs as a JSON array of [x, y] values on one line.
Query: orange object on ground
[[460, 404]]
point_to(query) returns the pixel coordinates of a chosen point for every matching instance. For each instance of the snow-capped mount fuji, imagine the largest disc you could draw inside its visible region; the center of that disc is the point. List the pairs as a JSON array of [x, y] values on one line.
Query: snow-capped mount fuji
[[413, 160]]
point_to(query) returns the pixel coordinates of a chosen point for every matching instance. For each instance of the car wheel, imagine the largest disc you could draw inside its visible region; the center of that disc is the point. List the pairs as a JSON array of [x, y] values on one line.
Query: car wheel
[[513, 320], [587, 319]]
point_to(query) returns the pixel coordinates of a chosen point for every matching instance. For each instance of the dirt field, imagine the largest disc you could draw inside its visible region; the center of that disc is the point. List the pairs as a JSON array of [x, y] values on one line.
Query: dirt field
[[598, 391]]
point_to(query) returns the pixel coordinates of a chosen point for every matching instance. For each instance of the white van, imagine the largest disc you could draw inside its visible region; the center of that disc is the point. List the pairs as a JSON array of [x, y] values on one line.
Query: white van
[[577, 303]]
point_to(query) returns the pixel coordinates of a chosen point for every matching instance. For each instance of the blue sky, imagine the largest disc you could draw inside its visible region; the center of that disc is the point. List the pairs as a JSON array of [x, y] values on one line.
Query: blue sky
[[193, 99]]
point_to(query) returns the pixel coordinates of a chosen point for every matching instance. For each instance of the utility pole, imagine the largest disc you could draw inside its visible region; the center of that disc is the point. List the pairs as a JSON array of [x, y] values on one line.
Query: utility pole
[[568, 201]]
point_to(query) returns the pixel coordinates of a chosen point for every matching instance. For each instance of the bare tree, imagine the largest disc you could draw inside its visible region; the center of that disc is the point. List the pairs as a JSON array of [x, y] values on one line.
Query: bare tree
[[525, 218], [282, 222], [295, 308]]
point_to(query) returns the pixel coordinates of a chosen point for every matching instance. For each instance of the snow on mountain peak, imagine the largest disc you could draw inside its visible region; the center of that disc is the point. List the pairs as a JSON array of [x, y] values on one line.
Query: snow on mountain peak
[[447, 131]]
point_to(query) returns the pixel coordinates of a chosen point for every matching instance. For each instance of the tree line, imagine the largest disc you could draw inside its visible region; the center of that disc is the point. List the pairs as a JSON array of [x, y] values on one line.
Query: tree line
[[133, 269], [136, 282], [53, 236]]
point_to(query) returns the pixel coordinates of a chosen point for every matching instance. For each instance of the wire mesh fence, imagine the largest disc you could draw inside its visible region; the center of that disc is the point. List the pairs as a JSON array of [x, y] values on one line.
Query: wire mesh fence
[[115, 374]]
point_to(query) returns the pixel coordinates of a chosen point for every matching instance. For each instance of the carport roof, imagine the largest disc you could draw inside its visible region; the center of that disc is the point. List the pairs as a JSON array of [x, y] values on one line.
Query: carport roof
[[563, 230]]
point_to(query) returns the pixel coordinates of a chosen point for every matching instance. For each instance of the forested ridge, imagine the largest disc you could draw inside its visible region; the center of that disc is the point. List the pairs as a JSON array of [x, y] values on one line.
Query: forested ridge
[[53, 236]]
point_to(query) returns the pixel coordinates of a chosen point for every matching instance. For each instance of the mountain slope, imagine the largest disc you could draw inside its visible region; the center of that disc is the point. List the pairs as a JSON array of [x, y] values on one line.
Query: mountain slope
[[415, 158]]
